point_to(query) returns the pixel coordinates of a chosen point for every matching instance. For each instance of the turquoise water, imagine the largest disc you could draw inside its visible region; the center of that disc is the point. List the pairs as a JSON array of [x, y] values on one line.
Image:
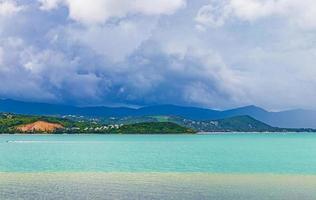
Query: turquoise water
[[242, 153]]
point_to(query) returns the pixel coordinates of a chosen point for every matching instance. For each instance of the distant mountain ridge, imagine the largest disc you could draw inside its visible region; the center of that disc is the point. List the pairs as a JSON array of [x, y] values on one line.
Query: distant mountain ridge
[[285, 119]]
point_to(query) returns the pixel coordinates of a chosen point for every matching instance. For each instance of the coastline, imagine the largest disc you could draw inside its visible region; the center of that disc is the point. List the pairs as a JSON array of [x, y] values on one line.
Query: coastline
[[197, 133], [253, 132]]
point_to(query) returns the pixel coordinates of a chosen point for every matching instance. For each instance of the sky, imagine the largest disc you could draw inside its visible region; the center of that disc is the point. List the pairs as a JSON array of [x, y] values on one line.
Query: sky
[[209, 53]]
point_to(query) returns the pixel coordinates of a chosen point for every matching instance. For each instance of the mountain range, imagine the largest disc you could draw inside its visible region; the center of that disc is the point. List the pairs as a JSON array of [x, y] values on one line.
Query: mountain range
[[286, 119]]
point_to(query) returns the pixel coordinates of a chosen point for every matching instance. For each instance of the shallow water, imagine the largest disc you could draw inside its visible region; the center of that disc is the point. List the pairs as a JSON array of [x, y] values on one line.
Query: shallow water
[[243, 153], [155, 186], [243, 166]]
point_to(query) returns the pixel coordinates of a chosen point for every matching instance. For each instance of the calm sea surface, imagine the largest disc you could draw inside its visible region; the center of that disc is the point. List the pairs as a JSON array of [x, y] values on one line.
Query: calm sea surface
[[243, 153], [230, 166]]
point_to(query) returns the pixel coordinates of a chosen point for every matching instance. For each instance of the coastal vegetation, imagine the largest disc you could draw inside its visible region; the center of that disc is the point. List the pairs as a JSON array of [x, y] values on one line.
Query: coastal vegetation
[[154, 128], [14, 123], [11, 123]]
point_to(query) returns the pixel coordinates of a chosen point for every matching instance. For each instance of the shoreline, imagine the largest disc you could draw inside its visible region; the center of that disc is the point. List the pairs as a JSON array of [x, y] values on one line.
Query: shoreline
[[197, 133]]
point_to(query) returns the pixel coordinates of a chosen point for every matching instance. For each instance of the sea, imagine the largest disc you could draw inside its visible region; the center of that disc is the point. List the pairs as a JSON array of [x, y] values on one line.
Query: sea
[[202, 166]]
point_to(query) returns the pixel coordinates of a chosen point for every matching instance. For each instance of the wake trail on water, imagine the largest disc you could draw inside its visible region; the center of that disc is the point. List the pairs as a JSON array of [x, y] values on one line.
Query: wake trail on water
[[46, 141]]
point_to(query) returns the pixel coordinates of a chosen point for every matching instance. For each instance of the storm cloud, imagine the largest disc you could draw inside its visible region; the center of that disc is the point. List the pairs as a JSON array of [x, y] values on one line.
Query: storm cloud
[[209, 53]]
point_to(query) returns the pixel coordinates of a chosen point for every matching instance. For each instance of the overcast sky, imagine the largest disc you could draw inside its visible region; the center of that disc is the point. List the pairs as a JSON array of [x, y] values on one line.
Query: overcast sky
[[210, 53]]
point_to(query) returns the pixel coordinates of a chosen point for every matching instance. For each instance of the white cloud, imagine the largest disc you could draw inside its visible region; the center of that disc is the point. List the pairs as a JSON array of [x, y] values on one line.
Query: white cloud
[[297, 12], [9, 7], [1, 56], [133, 22], [99, 11], [213, 14], [49, 4], [253, 9], [117, 41]]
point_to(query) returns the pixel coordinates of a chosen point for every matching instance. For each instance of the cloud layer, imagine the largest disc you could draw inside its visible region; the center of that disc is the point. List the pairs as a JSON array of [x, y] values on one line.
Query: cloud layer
[[210, 53], [99, 11], [217, 12]]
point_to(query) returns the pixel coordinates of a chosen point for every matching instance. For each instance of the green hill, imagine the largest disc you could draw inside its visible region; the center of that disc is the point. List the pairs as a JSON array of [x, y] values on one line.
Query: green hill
[[153, 128], [243, 123], [10, 122], [238, 124], [233, 124], [140, 125]]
